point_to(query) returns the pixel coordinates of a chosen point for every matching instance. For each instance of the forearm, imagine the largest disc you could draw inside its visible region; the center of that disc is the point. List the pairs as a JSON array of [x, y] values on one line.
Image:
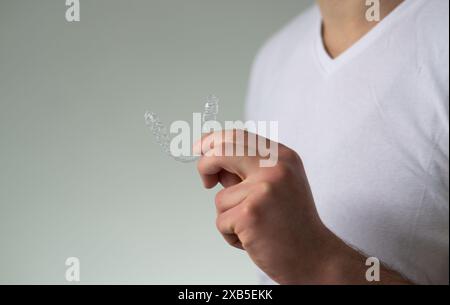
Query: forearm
[[343, 265], [348, 266]]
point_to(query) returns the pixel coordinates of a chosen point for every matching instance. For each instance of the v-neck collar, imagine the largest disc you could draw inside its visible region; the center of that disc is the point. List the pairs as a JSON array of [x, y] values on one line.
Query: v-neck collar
[[330, 65]]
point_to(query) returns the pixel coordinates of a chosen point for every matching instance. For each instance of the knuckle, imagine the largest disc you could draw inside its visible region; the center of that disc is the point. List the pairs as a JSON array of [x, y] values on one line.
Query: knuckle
[[290, 154], [265, 189], [219, 199], [224, 225], [247, 211], [297, 159], [203, 164], [219, 224], [251, 210], [200, 166], [281, 171]]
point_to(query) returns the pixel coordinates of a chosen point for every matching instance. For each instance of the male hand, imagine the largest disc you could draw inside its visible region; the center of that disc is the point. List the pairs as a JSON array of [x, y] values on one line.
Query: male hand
[[270, 213]]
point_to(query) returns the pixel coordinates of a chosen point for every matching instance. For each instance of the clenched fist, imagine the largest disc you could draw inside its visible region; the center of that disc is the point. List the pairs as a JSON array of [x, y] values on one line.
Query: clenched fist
[[270, 213]]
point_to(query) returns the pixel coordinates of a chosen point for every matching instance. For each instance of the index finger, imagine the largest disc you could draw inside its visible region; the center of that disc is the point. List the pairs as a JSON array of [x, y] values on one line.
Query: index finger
[[209, 167]]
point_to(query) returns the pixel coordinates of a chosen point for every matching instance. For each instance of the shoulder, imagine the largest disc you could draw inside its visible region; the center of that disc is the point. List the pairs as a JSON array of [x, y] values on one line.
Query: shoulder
[[287, 41], [433, 18], [432, 28], [434, 11], [274, 55]]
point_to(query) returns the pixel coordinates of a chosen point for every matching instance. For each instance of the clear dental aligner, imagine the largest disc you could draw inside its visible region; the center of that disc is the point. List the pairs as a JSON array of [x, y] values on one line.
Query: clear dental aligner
[[162, 136]]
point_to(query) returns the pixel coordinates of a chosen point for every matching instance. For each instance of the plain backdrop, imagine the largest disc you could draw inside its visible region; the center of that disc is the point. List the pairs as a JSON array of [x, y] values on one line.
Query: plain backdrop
[[80, 175]]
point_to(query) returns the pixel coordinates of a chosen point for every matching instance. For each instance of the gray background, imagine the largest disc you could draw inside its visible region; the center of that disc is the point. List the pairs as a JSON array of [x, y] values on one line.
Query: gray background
[[80, 175]]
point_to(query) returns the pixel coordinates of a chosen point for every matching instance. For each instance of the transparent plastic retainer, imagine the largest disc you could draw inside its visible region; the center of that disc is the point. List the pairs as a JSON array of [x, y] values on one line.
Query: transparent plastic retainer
[[161, 133]]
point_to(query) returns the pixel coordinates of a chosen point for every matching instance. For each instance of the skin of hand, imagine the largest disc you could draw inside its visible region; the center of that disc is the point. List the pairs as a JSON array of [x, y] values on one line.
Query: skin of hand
[[270, 213]]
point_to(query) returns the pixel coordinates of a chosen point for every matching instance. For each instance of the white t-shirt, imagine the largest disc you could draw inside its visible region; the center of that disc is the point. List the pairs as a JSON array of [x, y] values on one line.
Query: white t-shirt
[[372, 128]]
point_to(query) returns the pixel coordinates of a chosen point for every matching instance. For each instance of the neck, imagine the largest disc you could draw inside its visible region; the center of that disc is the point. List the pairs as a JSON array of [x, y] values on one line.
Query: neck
[[345, 22]]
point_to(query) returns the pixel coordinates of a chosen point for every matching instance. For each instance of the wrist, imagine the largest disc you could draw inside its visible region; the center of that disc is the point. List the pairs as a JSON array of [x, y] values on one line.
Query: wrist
[[340, 263], [330, 262]]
